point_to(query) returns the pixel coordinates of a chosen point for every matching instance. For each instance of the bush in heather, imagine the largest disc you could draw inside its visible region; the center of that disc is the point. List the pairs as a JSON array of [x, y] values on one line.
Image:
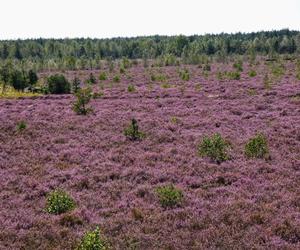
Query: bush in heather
[[132, 131], [257, 147], [21, 126], [184, 74], [267, 82], [158, 77], [214, 147], [125, 64], [131, 88], [122, 69], [91, 79], [59, 202], [233, 75], [75, 85], [32, 77], [58, 84], [238, 66], [83, 96], [92, 240], [169, 195], [206, 67], [102, 76], [252, 73], [116, 78]]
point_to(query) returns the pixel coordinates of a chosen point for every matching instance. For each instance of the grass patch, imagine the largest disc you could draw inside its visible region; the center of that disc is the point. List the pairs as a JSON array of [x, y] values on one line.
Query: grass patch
[[11, 93]]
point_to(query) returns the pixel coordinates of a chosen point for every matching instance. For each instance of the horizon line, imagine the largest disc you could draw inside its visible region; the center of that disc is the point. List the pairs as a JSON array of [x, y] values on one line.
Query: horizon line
[[147, 36]]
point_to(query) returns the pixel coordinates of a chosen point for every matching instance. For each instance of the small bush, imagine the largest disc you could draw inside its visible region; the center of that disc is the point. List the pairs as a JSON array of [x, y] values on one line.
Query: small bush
[[131, 88], [166, 85], [92, 241], [91, 79], [58, 84], [21, 126], [159, 78], [238, 66], [235, 75], [83, 98], [267, 82], [75, 85], [169, 196], [122, 69], [257, 147], [220, 75], [116, 78], [252, 73], [132, 131], [59, 202], [278, 70], [125, 64], [102, 76], [214, 147], [206, 67], [184, 75]]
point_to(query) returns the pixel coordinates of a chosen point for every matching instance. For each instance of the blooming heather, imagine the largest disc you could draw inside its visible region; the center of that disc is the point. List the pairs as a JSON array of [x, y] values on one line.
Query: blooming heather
[[244, 203]]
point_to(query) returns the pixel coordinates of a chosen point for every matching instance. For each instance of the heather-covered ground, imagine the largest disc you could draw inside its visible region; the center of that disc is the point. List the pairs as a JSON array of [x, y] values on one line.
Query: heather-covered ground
[[239, 204]]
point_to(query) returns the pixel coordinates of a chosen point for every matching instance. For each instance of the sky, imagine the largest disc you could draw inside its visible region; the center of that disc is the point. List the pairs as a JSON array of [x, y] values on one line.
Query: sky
[[127, 18]]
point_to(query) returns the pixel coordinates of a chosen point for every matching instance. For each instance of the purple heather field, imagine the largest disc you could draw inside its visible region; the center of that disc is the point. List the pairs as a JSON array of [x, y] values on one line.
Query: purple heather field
[[241, 203]]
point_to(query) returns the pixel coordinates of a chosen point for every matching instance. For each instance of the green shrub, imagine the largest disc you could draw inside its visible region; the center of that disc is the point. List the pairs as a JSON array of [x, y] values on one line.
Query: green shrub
[[19, 80], [83, 98], [278, 70], [159, 77], [252, 73], [122, 69], [184, 74], [32, 77], [131, 88], [116, 78], [214, 147], [220, 75], [59, 202], [238, 66], [166, 86], [75, 85], [169, 196], [92, 241], [267, 82], [58, 84], [153, 78], [257, 147], [91, 79], [132, 131], [125, 64], [102, 76], [233, 75], [21, 125]]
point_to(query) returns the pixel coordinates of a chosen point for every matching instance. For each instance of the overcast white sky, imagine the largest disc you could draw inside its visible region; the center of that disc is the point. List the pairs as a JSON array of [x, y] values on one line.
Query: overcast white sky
[[111, 18]]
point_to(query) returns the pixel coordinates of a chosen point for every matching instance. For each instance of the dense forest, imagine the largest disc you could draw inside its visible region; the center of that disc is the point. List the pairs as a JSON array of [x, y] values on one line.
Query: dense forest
[[80, 53]]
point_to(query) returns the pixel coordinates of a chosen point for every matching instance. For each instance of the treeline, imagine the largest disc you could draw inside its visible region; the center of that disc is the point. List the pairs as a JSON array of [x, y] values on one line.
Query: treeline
[[87, 53]]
